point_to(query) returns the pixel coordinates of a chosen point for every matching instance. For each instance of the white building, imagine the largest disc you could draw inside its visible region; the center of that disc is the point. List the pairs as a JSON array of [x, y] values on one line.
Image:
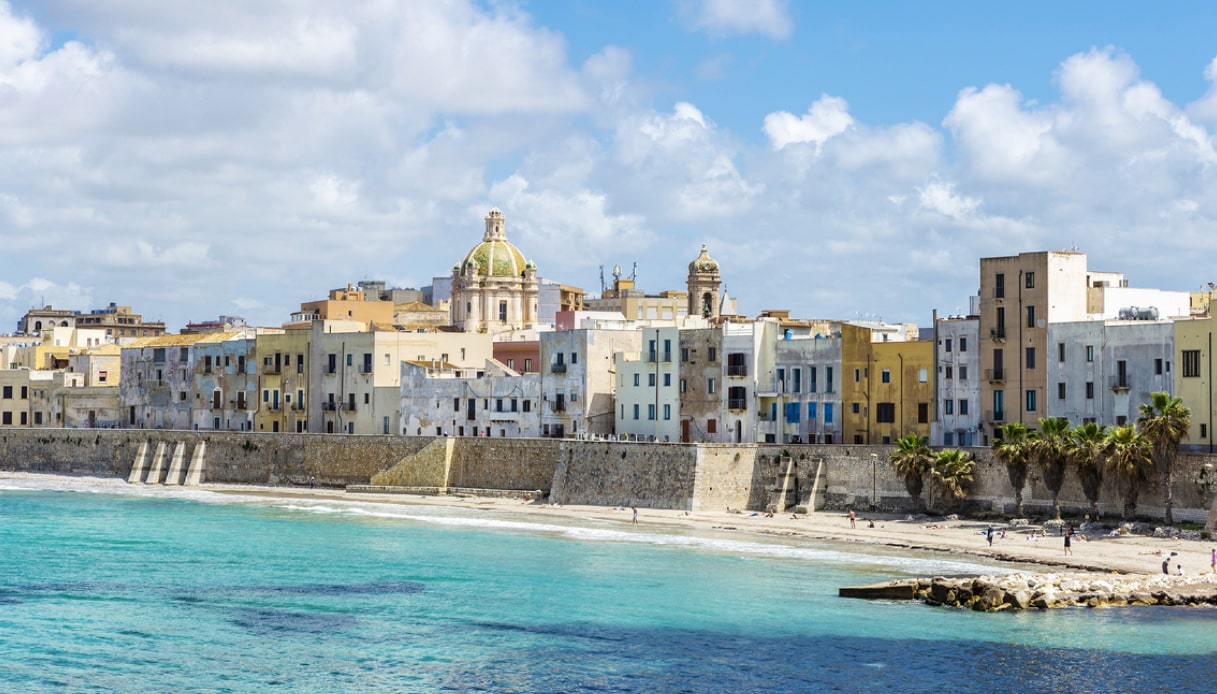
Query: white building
[[957, 420], [577, 380], [438, 399]]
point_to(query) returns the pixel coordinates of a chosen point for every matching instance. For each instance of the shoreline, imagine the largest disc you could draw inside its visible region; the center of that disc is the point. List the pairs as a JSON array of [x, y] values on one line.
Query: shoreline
[[1128, 554]]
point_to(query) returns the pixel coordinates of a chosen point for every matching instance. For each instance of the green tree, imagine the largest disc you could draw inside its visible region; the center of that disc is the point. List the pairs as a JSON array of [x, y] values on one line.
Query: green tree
[[912, 458], [1013, 449], [1089, 457], [1129, 458], [952, 470], [1164, 422], [1050, 451]]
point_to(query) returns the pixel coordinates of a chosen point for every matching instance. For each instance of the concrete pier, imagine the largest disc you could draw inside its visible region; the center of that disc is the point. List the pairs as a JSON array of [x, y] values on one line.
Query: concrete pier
[[140, 464], [158, 461]]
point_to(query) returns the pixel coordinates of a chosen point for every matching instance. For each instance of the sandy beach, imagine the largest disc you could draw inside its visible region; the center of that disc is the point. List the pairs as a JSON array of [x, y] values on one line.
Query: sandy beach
[[1129, 554]]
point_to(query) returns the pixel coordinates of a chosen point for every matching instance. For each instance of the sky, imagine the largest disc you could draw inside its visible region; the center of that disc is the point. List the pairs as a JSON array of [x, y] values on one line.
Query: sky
[[839, 159]]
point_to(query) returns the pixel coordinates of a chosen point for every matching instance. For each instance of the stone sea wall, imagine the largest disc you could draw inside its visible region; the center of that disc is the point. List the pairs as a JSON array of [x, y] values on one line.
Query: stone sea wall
[[695, 477]]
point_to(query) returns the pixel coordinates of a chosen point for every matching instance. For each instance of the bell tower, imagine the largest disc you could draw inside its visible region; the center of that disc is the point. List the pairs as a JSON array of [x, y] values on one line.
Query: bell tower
[[705, 286]]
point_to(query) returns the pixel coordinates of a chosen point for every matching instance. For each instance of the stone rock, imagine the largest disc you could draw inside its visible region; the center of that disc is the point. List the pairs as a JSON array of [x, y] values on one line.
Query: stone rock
[[1018, 522], [1142, 598], [1018, 599]]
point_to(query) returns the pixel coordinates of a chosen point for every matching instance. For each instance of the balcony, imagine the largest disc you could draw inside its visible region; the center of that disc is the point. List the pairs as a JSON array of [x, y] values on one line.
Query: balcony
[[557, 406], [1119, 383], [557, 368], [737, 404], [995, 375], [995, 416], [271, 370], [737, 370], [329, 406], [997, 334], [999, 292]]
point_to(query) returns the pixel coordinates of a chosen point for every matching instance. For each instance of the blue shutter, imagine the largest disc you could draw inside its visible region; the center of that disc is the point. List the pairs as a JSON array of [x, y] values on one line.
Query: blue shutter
[[828, 413], [811, 410]]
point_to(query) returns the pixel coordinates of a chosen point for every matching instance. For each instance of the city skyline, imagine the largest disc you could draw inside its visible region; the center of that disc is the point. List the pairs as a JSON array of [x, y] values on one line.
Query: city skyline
[[836, 160]]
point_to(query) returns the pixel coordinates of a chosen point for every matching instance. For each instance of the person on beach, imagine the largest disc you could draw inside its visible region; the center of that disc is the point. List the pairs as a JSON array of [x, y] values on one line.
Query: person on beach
[[635, 519], [1213, 561], [1068, 546], [852, 519], [312, 482], [989, 535], [1166, 566]]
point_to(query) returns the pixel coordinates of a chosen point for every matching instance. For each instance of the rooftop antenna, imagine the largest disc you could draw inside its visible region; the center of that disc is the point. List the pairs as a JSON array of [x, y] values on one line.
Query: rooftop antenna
[[634, 272], [602, 286]]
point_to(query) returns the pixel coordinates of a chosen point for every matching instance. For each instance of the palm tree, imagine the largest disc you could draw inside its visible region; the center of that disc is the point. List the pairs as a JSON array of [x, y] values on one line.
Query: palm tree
[[1014, 450], [1129, 457], [1164, 421], [952, 470], [1051, 452], [1088, 455], [912, 458]]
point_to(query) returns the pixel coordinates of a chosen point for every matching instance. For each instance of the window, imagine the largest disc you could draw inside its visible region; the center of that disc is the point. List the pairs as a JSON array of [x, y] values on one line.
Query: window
[[797, 374], [963, 406], [999, 286], [712, 385], [684, 386], [1031, 401], [1060, 352], [651, 412], [667, 412], [811, 380], [528, 406], [1090, 390], [1089, 352], [1204, 428], [1030, 316], [963, 372], [351, 359], [1001, 322], [456, 404], [827, 416], [857, 375], [1157, 367], [684, 354], [885, 412], [948, 344], [948, 406], [1060, 391], [502, 311], [963, 344], [574, 357], [827, 379], [711, 426], [950, 372], [855, 408], [367, 362], [1030, 357], [511, 364], [736, 364], [1191, 363], [1030, 278], [651, 380], [737, 397], [667, 380], [923, 375], [8, 392], [923, 412], [637, 381], [527, 365], [811, 410]]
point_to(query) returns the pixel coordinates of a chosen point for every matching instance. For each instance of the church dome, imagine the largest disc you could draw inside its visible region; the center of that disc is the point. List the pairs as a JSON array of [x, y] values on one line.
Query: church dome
[[495, 256], [703, 262]]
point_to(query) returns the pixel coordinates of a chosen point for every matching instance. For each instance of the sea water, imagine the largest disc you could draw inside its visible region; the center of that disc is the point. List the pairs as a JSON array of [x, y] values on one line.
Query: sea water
[[114, 588]]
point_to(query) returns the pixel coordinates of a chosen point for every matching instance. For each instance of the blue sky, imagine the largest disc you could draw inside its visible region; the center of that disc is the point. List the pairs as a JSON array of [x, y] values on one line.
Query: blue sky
[[838, 158]]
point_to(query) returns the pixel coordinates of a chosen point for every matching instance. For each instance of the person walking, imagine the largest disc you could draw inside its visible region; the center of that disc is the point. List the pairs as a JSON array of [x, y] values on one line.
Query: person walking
[[1068, 543], [635, 519], [989, 535], [1213, 561], [852, 519]]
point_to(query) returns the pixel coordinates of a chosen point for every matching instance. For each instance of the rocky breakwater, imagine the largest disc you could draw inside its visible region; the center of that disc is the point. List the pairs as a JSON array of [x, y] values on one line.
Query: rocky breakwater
[[1020, 591]]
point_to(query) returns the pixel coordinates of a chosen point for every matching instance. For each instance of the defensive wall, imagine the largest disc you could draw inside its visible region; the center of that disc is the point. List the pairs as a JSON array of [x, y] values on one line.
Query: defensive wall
[[694, 477]]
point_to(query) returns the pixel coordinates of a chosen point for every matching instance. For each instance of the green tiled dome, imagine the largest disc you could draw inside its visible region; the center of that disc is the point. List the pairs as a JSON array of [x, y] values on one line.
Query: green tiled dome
[[496, 259]]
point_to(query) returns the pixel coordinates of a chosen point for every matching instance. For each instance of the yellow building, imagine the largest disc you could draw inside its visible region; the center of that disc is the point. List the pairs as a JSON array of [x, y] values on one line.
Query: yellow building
[[1194, 380], [283, 380], [887, 385]]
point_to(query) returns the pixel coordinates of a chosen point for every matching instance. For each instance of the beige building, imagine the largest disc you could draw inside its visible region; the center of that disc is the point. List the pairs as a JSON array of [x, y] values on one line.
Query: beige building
[[355, 375], [283, 381], [15, 407], [494, 290], [347, 304], [1019, 296]]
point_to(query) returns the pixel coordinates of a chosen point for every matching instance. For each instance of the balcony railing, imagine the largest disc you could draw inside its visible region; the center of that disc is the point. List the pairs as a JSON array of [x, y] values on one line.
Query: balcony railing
[[740, 370], [995, 374], [1119, 383], [557, 368], [997, 334], [737, 404], [329, 406], [995, 415]]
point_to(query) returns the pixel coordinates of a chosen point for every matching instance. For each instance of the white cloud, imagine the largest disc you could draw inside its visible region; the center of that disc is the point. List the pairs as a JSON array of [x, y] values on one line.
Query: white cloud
[[144, 253], [827, 117], [942, 198], [727, 17], [20, 38]]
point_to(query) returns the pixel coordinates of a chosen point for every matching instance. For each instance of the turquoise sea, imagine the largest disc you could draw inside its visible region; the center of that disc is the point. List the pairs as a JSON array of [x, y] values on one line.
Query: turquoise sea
[[109, 587]]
